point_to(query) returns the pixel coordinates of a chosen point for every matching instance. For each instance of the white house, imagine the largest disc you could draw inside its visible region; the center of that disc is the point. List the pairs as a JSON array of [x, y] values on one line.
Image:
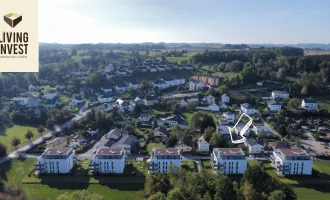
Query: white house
[[257, 128], [93, 132], [259, 83], [253, 146], [280, 94], [52, 103], [225, 98], [108, 161], [108, 69], [150, 101], [183, 103], [203, 145], [196, 85], [105, 98], [274, 106], [214, 107], [121, 87], [76, 100], [160, 132], [163, 159], [183, 147], [49, 95], [173, 120], [56, 161], [228, 160], [229, 117], [116, 134], [144, 117], [31, 87], [121, 73], [292, 162], [134, 84], [106, 90], [60, 87], [248, 109], [309, 104], [209, 99]]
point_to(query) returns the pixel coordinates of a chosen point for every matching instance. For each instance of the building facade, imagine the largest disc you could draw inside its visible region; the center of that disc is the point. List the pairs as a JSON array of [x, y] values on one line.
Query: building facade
[[108, 161], [162, 159], [228, 160]]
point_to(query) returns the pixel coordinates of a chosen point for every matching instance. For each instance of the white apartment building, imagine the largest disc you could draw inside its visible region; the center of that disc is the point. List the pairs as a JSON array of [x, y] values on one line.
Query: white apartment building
[[162, 159], [56, 161], [309, 104], [292, 162], [228, 160], [248, 109], [196, 85], [203, 145], [108, 161], [280, 94], [225, 98]]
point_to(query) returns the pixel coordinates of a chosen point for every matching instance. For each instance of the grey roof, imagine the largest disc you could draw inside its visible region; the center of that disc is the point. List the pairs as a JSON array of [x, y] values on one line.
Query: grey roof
[[126, 140], [251, 141], [310, 101]]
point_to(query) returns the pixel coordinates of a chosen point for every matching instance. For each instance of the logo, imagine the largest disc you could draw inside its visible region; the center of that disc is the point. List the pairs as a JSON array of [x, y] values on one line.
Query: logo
[[12, 19]]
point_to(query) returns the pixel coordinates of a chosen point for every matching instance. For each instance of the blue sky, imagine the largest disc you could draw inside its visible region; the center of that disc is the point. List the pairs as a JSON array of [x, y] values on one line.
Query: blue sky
[[222, 21]]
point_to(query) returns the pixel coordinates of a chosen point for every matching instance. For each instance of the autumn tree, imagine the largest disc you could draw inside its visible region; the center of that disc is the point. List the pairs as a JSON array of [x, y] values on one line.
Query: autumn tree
[[28, 135]]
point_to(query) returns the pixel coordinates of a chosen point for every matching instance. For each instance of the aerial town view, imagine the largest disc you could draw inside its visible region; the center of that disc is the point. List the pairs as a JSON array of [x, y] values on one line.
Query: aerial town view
[[171, 100]]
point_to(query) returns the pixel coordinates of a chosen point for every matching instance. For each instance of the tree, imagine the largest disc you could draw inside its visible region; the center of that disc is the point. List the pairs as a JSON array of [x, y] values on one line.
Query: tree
[[280, 74], [216, 139], [223, 89], [256, 177], [277, 195], [248, 192], [80, 194], [304, 90], [3, 150], [171, 141], [28, 135], [41, 129], [157, 196], [224, 188], [207, 122], [176, 108], [15, 142], [208, 132], [294, 103], [195, 122]]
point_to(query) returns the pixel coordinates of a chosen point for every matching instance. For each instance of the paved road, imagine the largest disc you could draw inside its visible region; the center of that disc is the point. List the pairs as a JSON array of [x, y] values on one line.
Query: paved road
[[309, 134], [26, 147], [267, 125]]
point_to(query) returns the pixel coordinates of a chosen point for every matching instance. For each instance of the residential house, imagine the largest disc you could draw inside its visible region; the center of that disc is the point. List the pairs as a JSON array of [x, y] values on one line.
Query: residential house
[[108, 161], [274, 106], [109, 68], [164, 159], [173, 120], [228, 117], [153, 69], [203, 145], [134, 84], [127, 142], [292, 162], [31, 87], [189, 67], [160, 132], [223, 130], [144, 117], [183, 147], [121, 87], [214, 107], [253, 146], [37, 113], [229, 160], [93, 132], [161, 68], [106, 90], [107, 107], [309, 104], [225, 98], [29, 102], [137, 101], [76, 100], [49, 95], [248, 109], [116, 134], [196, 85], [105, 98], [239, 127], [207, 79], [52, 103], [150, 101], [259, 83], [257, 128], [183, 103], [280, 94], [209, 99], [56, 161], [121, 73], [79, 138], [60, 86]]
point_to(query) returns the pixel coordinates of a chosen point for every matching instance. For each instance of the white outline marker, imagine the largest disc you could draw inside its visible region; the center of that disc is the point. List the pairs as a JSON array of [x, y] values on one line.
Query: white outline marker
[[242, 132]]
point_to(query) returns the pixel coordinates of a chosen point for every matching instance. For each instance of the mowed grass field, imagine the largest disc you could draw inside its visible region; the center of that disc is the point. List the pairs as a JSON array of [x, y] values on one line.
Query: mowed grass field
[[154, 145], [13, 172], [307, 187], [7, 135]]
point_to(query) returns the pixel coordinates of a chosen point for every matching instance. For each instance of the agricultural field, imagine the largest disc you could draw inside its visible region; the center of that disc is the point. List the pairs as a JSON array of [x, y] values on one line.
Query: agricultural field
[[315, 52], [7, 135]]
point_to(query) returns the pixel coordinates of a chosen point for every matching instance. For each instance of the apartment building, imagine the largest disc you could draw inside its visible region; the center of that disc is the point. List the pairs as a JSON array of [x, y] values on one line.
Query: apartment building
[[280, 94], [292, 162], [207, 79], [228, 160], [108, 161], [56, 161], [163, 159]]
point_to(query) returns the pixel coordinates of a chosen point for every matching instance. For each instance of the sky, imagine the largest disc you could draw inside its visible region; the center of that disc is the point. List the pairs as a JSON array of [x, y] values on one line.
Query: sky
[[186, 21]]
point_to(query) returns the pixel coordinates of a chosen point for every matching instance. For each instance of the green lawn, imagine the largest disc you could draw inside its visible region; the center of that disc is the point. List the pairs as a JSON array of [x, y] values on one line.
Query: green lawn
[[47, 88], [15, 171], [188, 165], [154, 145], [78, 58], [323, 167], [187, 116], [207, 69], [64, 98], [252, 163], [18, 131], [323, 101], [207, 164]]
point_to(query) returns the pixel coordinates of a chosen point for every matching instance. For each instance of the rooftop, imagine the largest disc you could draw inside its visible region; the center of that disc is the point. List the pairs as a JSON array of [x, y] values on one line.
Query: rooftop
[[166, 151], [293, 152], [109, 151], [56, 151], [310, 101], [229, 151], [277, 145]]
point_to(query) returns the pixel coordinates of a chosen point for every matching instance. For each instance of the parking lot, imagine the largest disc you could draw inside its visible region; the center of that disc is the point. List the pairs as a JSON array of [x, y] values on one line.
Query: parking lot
[[314, 147]]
